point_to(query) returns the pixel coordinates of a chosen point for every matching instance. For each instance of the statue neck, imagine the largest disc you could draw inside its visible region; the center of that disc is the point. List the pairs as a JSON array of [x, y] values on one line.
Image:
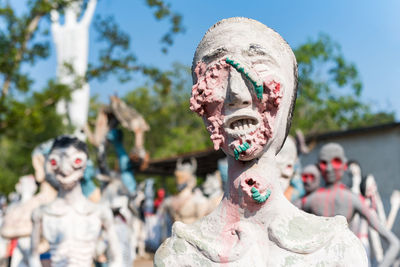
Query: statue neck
[[261, 173], [72, 195]]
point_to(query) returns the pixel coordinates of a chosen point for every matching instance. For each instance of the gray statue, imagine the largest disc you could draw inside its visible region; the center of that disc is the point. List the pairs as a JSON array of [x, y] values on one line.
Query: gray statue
[[337, 199]]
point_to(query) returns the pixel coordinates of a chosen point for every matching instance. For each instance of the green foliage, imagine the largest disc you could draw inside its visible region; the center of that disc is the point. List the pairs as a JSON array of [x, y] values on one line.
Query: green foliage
[[29, 123], [329, 91]]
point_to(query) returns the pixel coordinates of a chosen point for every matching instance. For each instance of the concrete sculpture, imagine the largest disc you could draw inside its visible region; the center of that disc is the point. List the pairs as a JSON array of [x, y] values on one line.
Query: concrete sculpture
[[367, 187], [16, 223], [71, 223], [189, 204], [245, 80], [72, 45], [286, 159], [311, 178], [213, 190], [337, 199]]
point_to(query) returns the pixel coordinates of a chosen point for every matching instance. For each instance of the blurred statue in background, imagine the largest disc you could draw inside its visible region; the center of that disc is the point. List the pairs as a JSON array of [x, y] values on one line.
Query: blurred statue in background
[[72, 45], [336, 199], [213, 190], [289, 165], [286, 160], [71, 223], [311, 178], [17, 224], [189, 204], [245, 85]]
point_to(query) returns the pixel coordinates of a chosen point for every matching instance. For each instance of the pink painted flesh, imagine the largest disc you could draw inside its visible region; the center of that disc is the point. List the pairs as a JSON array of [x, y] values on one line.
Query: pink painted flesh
[[208, 96]]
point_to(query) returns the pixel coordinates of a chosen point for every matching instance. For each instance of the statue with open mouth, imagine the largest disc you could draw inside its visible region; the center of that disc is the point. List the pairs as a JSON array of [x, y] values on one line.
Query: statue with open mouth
[[245, 82]]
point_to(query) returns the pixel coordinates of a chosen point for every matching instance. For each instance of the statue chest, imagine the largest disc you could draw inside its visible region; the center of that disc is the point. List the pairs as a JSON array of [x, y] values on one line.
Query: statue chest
[[71, 227]]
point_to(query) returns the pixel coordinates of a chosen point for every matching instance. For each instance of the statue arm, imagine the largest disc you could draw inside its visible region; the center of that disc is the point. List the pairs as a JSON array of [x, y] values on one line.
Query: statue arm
[[34, 258], [362, 208], [113, 243], [125, 165], [87, 17], [55, 19]]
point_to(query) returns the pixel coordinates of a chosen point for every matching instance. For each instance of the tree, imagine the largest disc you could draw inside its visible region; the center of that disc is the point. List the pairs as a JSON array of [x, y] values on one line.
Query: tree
[[27, 116], [329, 91]]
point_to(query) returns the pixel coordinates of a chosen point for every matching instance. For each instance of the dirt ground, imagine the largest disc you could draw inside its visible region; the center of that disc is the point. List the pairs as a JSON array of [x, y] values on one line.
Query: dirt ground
[[143, 263]]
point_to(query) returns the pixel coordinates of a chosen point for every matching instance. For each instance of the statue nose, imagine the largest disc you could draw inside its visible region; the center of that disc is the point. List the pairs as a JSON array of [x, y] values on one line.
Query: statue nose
[[65, 167], [238, 94]]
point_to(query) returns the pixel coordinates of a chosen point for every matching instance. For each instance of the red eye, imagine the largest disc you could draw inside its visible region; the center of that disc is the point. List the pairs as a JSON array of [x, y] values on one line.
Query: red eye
[[307, 177], [53, 162], [336, 163], [322, 165], [78, 161]]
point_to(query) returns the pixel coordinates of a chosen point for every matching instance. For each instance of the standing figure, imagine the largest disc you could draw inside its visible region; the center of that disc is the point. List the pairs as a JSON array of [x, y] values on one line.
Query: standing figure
[[286, 159], [245, 84], [337, 199], [213, 190], [72, 45], [71, 223], [17, 225], [189, 204], [366, 187]]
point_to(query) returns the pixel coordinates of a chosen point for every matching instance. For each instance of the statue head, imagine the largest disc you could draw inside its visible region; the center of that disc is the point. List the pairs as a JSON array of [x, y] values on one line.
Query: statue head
[[368, 187], [286, 159], [185, 174], [67, 161], [213, 184], [356, 175], [311, 178], [72, 12], [332, 162], [245, 81], [26, 187]]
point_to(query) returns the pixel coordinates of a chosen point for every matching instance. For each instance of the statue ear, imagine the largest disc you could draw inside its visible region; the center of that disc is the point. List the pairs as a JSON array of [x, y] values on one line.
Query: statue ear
[[345, 166]]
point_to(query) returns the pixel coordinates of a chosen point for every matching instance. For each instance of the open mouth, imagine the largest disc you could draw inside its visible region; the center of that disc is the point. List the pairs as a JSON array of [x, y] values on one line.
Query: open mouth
[[242, 124]]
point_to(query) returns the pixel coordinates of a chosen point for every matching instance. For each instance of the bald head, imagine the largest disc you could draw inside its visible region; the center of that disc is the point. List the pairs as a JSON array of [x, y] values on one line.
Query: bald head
[[332, 162]]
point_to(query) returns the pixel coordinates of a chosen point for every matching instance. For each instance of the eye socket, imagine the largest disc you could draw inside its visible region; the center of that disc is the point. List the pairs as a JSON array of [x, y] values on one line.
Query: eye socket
[[78, 162], [307, 177], [336, 163], [53, 162]]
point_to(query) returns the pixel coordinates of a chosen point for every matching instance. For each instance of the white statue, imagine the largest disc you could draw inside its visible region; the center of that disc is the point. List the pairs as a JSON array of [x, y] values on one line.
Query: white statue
[[189, 204], [286, 159], [245, 80], [72, 45], [16, 222], [394, 208], [213, 189], [71, 223]]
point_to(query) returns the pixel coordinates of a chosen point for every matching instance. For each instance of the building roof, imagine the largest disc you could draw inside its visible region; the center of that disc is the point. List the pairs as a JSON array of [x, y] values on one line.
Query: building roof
[[355, 131]]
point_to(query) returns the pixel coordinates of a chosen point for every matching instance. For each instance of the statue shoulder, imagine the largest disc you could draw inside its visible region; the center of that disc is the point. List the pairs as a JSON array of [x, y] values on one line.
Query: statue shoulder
[[188, 246], [176, 251], [304, 232]]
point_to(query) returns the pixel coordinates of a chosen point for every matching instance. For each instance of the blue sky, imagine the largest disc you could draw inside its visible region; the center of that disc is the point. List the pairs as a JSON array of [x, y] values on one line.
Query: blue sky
[[367, 30]]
